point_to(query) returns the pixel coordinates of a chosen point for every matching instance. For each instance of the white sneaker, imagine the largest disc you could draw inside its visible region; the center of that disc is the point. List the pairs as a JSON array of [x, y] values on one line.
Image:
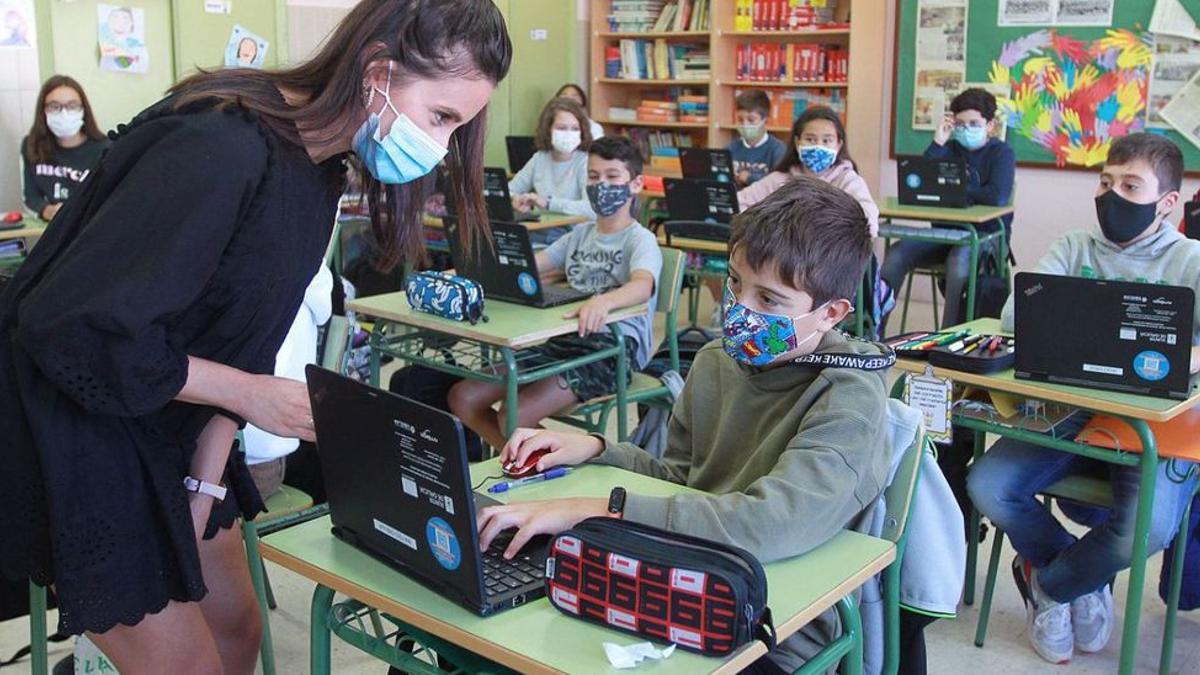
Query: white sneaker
[[1092, 619], [1048, 621]]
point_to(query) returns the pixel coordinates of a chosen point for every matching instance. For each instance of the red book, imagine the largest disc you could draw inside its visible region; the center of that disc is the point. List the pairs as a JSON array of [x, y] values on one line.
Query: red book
[[772, 16], [759, 10], [739, 55]]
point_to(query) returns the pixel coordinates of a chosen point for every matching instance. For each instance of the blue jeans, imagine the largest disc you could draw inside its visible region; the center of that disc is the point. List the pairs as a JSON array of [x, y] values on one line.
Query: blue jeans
[[1004, 483]]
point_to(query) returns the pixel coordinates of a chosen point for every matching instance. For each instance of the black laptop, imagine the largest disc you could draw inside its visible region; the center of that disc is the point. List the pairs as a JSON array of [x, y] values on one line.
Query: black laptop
[[1191, 219], [496, 196], [520, 150], [508, 271], [700, 209], [932, 182], [1119, 335], [399, 488], [706, 164]]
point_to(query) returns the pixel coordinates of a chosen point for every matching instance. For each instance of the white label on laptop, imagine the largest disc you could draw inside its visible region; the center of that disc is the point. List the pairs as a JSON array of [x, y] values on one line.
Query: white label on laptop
[[1102, 370], [1128, 333], [395, 534], [409, 486], [931, 395]]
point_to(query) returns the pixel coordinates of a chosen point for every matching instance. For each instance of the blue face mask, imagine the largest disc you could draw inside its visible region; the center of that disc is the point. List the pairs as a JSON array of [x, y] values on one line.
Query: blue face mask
[[405, 154], [817, 157], [758, 339], [971, 138], [607, 198]]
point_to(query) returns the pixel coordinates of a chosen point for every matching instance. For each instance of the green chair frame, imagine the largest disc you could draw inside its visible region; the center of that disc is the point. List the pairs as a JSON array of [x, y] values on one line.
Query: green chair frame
[[593, 415]]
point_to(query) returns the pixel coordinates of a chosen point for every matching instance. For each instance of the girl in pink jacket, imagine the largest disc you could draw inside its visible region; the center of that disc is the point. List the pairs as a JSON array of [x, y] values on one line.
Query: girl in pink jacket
[[819, 149]]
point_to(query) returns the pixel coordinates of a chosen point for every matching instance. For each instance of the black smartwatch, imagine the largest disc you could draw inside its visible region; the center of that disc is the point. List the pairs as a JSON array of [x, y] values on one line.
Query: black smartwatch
[[616, 503]]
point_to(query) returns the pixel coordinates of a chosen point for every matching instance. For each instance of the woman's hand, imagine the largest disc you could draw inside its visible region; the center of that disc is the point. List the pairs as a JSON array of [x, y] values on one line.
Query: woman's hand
[[534, 518], [279, 406], [563, 448], [208, 464]]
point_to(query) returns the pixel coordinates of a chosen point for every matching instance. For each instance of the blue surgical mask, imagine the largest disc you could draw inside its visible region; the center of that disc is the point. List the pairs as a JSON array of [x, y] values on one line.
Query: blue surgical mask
[[756, 338], [405, 154], [816, 157], [607, 198], [971, 138]]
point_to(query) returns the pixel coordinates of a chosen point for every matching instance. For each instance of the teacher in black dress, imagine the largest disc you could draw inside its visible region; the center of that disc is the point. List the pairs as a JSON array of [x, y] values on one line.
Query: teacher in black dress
[[143, 327]]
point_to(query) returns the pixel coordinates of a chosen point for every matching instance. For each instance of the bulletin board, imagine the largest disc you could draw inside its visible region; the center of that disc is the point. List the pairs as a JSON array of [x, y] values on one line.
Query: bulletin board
[[1070, 88]]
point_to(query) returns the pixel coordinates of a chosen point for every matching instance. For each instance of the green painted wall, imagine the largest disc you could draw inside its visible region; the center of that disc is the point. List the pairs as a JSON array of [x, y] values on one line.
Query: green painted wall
[[539, 68], [69, 39], [200, 37]]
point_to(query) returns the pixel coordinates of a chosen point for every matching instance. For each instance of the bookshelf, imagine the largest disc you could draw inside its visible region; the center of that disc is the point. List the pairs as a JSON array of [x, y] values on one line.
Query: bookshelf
[[859, 30]]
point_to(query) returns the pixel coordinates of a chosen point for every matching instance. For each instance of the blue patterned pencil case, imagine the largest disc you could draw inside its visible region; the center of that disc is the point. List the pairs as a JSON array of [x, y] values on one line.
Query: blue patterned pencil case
[[445, 295]]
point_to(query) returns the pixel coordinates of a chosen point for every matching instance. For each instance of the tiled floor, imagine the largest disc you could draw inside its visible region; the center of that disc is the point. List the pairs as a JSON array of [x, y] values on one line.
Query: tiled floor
[[950, 642]]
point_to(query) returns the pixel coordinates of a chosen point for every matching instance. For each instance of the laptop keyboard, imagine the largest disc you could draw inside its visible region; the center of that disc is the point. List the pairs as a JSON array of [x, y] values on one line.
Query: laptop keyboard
[[501, 576], [561, 293]]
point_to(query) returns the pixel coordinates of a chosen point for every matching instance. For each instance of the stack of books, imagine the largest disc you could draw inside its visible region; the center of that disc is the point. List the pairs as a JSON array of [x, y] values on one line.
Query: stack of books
[[776, 15], [651, 110], [634, 16], [801, 62], [661, 147], [693, 109], [657, 60]]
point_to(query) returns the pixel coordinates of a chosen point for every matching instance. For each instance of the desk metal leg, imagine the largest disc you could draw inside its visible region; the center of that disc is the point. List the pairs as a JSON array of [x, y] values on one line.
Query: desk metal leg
[[972, 277], [1141, 540], [320, 638], [39, 661], [973, 534], [1168, 641], [510, 392], [852, 663], [622, 385], [376, 342]]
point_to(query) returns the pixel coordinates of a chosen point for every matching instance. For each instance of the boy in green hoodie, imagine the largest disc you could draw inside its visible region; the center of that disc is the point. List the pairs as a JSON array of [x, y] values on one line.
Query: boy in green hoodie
[[782, 422], [1066, 580]]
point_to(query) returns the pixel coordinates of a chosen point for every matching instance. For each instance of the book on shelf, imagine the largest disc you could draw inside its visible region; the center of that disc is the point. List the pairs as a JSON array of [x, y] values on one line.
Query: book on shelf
[[658, 144], [787, 105], [659, 60], [779, 15], [618, 114], [793, 62], [634, 16]]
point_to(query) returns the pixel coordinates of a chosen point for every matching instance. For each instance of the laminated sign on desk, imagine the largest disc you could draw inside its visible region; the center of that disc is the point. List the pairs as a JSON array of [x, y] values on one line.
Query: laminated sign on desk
[[932, 396]]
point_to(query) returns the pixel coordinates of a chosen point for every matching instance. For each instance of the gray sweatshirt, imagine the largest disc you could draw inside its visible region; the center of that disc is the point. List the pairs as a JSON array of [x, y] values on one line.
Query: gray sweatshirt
[[1167, 257], [563, 183], [790, 456]]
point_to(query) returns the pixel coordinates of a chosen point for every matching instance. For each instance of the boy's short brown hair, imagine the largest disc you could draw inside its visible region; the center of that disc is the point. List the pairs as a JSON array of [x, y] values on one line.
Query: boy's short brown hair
[[1163, 156], [755, 100], [813, 234]]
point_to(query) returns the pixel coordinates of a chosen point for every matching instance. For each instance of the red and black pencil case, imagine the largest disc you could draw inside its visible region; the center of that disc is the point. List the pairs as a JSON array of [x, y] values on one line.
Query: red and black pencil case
[[704, 596]]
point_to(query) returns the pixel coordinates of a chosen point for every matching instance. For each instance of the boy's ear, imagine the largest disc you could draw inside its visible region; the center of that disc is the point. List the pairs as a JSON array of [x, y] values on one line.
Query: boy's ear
[[1169, 201], [834, 313], [636, 185]]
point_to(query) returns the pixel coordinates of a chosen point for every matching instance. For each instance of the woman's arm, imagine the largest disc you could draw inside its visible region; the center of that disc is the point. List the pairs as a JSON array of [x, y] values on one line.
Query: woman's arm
[[274, 404]]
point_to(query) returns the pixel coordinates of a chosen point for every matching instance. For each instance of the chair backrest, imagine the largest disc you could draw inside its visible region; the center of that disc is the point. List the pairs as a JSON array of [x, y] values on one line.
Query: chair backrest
[[337, 341], [898, 496], [670, 279]]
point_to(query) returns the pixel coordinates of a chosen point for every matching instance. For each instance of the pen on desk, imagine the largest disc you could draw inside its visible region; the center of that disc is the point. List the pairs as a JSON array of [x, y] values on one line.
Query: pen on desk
[[550, 474], [965, 342], [995, 342], [972, 348], [899, 343], [941, 341]]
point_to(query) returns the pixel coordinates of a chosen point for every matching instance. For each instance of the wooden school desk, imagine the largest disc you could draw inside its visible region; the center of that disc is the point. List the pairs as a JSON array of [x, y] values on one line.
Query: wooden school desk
[[537, 638], [968, 219], [1135, 411], [488, 351], [545, 221]]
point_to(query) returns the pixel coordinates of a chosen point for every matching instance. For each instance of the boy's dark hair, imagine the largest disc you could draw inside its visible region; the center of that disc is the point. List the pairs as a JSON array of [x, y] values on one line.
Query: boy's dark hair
[[619, 147], [545, 125], [975, 99], [813, 234], [754, 100], [820, 112], [1163, 156]]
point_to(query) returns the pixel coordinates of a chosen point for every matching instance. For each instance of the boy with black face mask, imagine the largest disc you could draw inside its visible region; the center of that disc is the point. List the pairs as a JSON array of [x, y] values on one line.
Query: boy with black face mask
[[1066, 582]]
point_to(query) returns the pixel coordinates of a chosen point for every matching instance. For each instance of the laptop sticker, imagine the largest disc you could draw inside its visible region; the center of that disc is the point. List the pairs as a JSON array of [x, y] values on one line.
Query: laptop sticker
[[527, 283], [443, 543], [1151, 365], [913, 181], [392, 532]]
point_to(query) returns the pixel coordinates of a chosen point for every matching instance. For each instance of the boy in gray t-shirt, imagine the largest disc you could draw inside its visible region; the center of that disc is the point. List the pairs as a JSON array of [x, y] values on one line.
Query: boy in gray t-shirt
[[615, 259]]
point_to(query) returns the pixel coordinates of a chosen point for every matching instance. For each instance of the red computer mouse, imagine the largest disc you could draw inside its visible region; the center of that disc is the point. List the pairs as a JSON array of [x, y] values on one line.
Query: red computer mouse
[[13, 217], [530, 467]]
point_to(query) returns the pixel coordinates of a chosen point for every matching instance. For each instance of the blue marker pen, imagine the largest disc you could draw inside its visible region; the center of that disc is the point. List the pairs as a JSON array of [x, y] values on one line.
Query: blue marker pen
[[556, 472]]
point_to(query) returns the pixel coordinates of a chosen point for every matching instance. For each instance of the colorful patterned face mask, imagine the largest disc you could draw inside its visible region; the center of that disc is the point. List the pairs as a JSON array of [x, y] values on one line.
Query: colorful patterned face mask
[[817, 157], [758, 339]]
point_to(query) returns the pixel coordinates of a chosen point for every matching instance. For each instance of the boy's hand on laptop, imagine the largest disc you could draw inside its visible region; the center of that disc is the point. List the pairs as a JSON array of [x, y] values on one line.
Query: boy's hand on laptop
[[593, 315], [563, 448], [534, 518], [944, 129]]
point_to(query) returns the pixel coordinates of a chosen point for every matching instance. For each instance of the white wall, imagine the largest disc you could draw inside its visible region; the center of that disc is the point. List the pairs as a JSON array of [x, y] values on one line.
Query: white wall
[[19, 85]]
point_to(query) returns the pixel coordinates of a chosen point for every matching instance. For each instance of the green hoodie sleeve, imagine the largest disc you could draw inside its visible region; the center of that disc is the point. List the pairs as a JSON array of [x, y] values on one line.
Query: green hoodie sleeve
[[676, 459], [831, 470]]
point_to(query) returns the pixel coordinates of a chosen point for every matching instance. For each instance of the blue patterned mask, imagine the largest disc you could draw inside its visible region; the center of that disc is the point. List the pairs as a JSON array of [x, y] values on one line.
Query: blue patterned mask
[[405, 154], [971, 138], [817, 157], [607, 198], [758, 339]]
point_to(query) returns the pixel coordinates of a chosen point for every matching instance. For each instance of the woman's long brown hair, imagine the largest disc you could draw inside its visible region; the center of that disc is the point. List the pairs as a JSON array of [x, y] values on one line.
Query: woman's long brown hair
[[41, 144], [428, 39]]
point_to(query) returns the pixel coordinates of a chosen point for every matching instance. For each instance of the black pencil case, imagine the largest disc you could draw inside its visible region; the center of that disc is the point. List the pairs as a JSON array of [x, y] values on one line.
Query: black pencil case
[[704, 596], [979, 360], [922, 354]]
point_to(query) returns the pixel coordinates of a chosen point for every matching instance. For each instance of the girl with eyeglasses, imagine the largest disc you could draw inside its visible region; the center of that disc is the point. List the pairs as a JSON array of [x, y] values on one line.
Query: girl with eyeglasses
[[62, 146]]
